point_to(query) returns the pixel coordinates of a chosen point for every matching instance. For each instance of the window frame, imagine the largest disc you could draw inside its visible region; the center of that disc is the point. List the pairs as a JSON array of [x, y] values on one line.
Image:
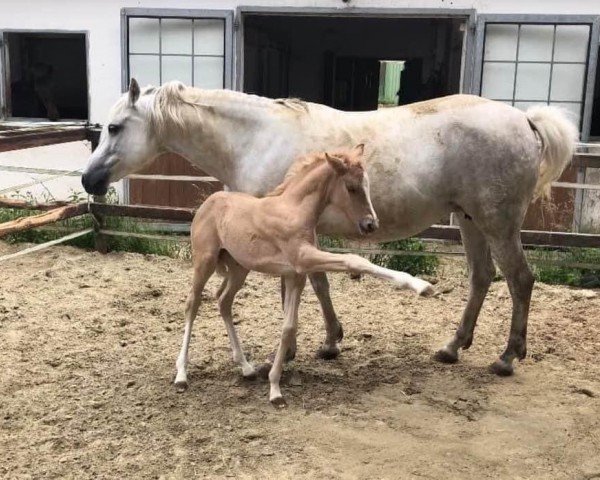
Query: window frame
[[468, 14], [184, 14], [592, 58], [4, 72]]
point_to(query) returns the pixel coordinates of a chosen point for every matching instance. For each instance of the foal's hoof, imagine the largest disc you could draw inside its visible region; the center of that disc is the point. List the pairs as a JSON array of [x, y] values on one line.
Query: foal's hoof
[[427, 291], [502, 368], [262, 370], [279, 402], [328, 353], [181, 386], [443, 355]]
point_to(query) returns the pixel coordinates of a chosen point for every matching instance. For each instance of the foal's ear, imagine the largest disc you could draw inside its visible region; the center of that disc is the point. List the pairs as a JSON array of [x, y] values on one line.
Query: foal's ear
[[134, 92], [337, 163], [359, 149]]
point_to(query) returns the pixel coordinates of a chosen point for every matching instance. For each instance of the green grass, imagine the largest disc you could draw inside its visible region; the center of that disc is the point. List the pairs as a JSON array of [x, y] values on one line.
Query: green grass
[[64, 227], [563, 274], [414, 265], [331, 242], [127, 244]]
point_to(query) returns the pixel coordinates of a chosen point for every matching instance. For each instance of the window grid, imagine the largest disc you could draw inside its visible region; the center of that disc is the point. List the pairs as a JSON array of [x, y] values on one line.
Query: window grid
[[550, 62], [160, 54]]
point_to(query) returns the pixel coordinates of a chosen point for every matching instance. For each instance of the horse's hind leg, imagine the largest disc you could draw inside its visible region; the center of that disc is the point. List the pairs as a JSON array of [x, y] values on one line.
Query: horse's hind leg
[[481, 274], [204, 266], [293, 292], [236, 275], [510, 257], [333, 328]]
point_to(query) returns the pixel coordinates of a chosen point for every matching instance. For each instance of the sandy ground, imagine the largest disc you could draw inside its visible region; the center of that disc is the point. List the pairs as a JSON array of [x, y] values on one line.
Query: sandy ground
[[87, 351]]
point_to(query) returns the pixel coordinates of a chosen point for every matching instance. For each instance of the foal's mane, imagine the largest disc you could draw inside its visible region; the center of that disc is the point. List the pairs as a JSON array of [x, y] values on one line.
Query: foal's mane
[[301, 166], [173, 101], [307, 163]]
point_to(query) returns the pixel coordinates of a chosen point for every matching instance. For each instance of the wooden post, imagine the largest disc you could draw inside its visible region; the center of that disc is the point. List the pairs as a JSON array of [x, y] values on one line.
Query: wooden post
[[100, 240]]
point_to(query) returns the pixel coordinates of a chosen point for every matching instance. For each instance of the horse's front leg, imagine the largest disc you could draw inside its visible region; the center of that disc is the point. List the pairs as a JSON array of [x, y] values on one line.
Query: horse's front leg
[[333, 328]]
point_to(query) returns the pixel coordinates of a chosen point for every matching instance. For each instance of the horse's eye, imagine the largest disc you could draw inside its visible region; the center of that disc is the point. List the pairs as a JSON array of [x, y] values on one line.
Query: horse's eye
[[112, 128], [352, 189]]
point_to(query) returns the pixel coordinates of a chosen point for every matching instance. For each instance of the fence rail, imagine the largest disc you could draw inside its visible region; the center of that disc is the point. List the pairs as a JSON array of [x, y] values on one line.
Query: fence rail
[[19, 136]]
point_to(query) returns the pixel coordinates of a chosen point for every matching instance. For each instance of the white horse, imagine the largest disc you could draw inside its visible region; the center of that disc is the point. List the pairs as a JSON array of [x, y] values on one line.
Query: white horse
[[483, 160]]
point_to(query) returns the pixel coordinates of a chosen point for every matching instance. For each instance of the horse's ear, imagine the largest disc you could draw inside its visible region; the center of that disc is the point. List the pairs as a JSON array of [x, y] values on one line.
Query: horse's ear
[[134, 92], [359, 149], [337, 163]]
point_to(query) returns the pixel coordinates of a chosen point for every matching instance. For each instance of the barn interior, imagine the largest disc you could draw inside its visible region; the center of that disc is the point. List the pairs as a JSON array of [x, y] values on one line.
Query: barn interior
[[352, 63], [47, 75]]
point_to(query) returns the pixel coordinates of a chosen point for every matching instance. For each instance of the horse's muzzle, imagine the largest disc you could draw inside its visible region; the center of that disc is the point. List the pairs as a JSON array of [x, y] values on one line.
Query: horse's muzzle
[[96, 181], [368, 225]]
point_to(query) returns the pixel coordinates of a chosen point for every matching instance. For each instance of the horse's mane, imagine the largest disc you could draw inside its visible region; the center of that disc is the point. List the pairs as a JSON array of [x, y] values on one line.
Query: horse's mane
[[172, 98], [304, 164]]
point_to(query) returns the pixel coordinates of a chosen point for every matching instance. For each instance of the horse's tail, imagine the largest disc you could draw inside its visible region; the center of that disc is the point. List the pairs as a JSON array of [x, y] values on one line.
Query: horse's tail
[[558, 135]]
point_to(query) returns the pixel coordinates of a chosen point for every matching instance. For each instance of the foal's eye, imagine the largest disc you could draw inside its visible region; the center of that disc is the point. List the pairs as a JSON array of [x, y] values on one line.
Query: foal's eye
[[112, 128], [352, 189]]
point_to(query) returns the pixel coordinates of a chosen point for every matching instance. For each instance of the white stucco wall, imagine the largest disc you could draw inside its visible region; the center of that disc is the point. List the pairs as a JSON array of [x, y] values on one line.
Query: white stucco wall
[[101, 19]]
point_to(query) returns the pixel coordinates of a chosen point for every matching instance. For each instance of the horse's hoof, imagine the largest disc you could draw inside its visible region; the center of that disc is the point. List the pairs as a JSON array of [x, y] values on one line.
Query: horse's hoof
[[428, 291], [502, 368], [263, 370], [181, 386], [278, 402], [328, 353], [443, 355]]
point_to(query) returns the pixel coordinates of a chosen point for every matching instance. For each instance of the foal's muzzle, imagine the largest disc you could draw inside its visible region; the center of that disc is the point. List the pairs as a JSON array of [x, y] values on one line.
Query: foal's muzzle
[[96, 181], [368, 225]]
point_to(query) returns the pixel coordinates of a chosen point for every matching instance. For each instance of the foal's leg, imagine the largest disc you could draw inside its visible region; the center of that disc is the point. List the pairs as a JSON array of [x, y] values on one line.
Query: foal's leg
[[509, 254], [333, 328], [481, 274], [291, 352], [204, 267], [236, 275], [310, 259], [293, 291]]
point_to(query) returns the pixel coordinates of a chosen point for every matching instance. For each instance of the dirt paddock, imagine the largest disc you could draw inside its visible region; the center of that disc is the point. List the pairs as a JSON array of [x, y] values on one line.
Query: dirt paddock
[[88, 345]]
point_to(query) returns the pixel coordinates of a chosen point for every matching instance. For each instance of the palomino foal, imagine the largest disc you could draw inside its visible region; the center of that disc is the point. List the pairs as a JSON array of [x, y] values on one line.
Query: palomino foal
[[234, 233]]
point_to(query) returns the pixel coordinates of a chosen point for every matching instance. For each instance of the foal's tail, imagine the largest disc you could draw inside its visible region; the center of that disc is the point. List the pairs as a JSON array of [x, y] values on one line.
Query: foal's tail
[[558, 135]]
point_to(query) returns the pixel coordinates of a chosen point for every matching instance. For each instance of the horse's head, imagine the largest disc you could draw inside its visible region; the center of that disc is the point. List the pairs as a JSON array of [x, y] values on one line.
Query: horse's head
[[351, 192], [126, 142]]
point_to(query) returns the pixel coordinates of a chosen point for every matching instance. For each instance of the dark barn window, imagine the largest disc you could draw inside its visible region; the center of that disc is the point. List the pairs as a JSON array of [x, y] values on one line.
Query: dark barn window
[[595, 128], [46, 76]]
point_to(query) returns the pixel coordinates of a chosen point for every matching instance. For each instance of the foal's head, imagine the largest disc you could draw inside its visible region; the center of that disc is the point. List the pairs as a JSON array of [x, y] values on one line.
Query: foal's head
[[350, 191]]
